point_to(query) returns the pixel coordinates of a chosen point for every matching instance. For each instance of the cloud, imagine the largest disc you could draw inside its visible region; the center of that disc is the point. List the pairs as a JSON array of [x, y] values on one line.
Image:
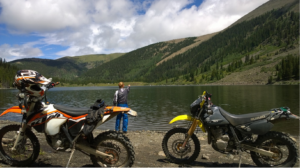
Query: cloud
[[43, 16], [18, 52], [168, 19], [107, 26]]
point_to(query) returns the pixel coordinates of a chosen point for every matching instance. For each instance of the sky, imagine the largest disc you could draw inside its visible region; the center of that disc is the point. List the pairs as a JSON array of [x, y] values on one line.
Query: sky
[[51, 29]]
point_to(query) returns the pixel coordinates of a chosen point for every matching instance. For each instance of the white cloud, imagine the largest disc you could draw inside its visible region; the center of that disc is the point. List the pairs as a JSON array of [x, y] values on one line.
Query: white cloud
[[18, 51], [43, 16], [106, 26]]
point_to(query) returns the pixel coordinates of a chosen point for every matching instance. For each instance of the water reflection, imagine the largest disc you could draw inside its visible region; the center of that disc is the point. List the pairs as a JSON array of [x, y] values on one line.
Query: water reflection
[[157, 105]]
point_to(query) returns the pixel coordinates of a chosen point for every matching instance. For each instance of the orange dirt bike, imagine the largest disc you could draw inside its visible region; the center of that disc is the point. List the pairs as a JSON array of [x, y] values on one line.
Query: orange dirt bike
[[65, 129], [229, 133]]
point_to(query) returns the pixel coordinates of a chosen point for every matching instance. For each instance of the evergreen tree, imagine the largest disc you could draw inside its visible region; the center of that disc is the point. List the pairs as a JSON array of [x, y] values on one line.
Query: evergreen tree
[[7, 73], [270, 79], [288, 68]]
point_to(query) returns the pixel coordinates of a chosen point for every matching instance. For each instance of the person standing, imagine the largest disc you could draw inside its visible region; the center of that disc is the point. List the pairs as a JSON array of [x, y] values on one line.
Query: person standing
[[120, 99]]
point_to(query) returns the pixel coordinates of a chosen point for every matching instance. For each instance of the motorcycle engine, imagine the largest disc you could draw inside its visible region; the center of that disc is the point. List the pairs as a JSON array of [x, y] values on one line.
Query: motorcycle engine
[[58, 141], [221, 140]]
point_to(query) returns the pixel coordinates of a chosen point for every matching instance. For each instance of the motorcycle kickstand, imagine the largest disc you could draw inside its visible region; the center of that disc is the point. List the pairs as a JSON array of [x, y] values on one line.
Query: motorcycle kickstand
[[73, 149], [240, 157], [238, 145]]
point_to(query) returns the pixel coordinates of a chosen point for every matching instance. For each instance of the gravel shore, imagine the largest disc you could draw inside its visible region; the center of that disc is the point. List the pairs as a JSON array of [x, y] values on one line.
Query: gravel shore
[[148, 153]]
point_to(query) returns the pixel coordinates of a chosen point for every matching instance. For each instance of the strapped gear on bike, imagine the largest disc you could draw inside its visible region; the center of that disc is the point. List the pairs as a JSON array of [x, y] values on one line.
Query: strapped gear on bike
[[95, 114]]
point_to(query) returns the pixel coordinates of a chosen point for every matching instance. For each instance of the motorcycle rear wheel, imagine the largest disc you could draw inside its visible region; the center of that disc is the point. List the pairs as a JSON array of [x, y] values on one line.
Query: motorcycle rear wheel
[[26, 154], [279, 143], [115, 144], [171, 146]]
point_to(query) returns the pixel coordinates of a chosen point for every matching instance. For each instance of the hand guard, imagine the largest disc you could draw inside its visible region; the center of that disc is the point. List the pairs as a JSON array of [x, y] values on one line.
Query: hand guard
[[52, 84]]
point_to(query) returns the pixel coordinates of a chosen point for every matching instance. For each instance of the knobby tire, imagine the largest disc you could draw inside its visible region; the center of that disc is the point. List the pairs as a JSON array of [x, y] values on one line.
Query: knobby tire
[[121, 138], [280, 137], [33, 139], [173, 159]]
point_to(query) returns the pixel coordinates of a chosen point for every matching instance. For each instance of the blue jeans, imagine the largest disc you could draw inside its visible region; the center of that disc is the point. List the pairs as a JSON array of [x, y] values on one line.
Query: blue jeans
[[125, 119]]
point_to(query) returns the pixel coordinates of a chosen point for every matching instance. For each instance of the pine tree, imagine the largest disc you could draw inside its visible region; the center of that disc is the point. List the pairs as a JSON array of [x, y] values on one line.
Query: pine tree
[[270, 80]]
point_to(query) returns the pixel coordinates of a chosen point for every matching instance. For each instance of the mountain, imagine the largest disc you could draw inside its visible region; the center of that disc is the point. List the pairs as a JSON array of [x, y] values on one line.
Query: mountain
[[51, 68], [292, 5], [262, 47], [66, 68], [91, 61], [135, 64], [257, 42]]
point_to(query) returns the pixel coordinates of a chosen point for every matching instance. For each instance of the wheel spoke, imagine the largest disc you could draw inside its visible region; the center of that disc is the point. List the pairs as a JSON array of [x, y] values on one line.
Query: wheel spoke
[[115, 149], [24, 153], [173, 146], [284, 149], [118, 146]]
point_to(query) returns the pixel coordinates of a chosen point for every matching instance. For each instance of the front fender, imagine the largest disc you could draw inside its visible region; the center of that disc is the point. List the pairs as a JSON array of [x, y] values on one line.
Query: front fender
[[14, 109], [187, 118]]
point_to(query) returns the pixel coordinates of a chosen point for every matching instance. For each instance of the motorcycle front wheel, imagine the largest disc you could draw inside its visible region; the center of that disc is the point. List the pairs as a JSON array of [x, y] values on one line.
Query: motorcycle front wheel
[[172, 142], [25, 154], [285, 149], [115, 144]]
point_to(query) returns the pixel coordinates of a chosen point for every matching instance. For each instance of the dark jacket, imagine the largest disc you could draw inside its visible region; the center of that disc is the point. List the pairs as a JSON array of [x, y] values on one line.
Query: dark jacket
[[120, 96]]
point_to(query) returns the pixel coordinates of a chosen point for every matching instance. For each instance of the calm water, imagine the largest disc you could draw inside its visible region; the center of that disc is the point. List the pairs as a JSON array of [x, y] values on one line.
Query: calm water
[[157, 105]]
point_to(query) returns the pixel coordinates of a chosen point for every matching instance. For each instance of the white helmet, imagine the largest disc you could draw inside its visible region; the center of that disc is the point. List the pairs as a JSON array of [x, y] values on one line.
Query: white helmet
[[31, 81]]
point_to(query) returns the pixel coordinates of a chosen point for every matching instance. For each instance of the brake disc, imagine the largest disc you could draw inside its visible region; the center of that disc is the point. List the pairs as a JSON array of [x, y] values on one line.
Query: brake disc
[[111, 149], [177, 147]]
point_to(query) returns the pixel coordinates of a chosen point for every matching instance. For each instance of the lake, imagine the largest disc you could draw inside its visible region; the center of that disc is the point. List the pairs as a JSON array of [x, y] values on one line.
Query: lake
[[157, 105]]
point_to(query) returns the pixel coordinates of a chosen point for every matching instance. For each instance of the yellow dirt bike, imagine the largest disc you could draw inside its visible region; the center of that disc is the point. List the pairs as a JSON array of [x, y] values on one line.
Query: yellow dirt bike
[[229, 133]]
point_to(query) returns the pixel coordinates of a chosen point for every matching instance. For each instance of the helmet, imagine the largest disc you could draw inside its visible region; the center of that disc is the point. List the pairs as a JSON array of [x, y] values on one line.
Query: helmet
[[29, 81]]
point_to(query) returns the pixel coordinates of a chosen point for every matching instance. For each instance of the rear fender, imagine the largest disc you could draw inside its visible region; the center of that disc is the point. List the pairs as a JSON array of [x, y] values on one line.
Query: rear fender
[[14, 109], [112, 111], [282, 113], [132, 113], [276, 118], [293, 116], [115, 109], [187, 118]]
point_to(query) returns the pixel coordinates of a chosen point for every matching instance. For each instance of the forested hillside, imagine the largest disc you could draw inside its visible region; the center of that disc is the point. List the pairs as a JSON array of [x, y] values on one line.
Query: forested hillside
[[51, 68], [7, 73], [91, 61], [134, 65], [287, 69], [65, 68], [236, 48], [278, 29]]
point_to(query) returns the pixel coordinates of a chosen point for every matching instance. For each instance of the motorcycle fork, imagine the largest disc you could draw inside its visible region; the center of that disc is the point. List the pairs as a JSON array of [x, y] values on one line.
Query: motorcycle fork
[[190, 132], [20, 135]]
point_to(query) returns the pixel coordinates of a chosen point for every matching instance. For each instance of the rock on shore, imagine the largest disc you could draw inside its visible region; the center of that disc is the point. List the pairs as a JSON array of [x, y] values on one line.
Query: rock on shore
[[148, 153]]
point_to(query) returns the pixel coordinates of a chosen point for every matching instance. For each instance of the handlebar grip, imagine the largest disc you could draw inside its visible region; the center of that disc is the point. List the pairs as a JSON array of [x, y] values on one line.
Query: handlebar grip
[[208, 94]]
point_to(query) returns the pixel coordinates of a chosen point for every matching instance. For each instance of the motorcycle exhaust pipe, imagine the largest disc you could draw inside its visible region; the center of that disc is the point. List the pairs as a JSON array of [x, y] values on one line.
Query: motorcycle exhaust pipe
[[258, 150], [92, 151]]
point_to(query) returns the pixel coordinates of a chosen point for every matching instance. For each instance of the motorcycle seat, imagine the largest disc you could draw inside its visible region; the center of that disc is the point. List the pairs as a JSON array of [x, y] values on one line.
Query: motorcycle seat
[[72, 111], [244, 118]]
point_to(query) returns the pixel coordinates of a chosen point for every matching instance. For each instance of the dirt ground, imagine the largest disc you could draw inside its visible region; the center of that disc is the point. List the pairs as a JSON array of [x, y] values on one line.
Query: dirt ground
[[148, 153]]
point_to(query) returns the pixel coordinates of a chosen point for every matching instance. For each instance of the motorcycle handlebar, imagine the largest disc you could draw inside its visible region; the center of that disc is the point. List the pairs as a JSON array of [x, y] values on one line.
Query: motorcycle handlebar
[[52, 84], [208, 95]]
